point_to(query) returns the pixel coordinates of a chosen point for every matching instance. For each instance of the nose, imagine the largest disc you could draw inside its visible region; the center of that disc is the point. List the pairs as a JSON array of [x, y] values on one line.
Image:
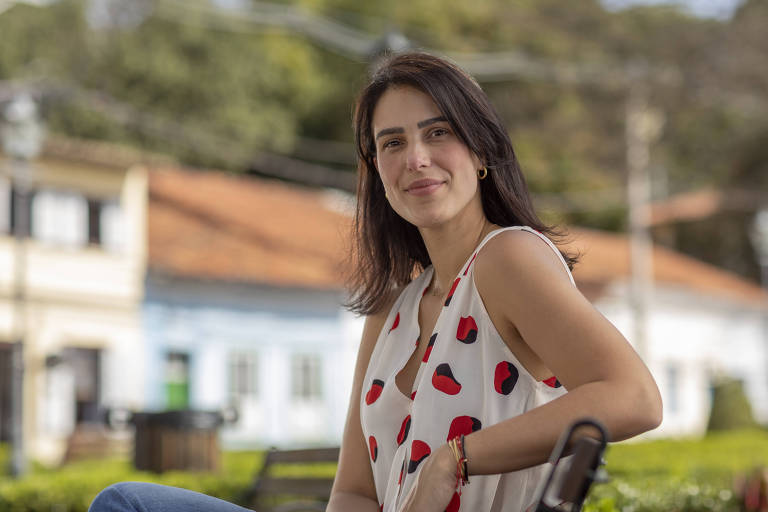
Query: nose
[[418, 156]]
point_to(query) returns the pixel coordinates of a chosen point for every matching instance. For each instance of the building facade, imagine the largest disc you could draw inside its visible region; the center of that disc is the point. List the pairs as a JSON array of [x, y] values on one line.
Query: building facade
[[147, 288], [703, 324], [81, 275], [243, 306]]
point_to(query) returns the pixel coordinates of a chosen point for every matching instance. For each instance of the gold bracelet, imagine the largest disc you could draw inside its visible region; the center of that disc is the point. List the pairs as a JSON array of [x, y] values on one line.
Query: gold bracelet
[[457, 449]]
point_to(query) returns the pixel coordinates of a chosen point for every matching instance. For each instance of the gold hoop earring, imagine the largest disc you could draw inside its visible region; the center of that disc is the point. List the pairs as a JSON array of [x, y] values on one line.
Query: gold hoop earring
[[482, 173]]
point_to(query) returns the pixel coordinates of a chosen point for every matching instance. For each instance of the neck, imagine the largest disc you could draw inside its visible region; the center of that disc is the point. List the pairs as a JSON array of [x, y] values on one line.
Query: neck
[[449, 248]]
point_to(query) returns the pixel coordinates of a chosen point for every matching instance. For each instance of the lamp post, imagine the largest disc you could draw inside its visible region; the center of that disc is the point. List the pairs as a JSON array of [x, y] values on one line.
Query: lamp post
[[22, 138], [759, 235], [643, 127]]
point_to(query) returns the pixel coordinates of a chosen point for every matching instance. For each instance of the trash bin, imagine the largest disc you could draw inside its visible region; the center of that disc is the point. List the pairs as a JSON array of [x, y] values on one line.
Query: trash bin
[[183, 440]]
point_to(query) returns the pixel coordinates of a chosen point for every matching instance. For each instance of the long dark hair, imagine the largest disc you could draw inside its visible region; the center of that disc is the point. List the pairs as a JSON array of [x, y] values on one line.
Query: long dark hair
[[388, 250]]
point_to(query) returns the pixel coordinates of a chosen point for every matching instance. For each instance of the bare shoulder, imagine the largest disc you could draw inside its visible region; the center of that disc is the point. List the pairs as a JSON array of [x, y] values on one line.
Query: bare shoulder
[[517, 256]]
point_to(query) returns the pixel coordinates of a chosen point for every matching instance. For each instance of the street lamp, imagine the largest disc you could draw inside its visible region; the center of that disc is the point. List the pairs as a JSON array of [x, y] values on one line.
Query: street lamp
[[22, 139], [759, 236]]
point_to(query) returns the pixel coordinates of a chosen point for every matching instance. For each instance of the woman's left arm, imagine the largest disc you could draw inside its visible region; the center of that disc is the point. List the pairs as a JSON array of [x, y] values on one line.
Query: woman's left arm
[[603, 374], [519, 275]]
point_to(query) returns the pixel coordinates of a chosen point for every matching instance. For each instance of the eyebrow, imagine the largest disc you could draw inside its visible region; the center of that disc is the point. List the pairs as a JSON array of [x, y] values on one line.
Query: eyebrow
[[420, 124]]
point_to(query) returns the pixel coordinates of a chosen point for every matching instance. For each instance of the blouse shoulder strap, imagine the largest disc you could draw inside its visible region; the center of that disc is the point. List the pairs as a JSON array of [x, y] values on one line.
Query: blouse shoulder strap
[[551, 245]]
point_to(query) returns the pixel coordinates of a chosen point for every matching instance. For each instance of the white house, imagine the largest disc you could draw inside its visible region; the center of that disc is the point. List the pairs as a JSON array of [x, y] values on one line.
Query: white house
[[148, 287], [243, 306], [82, 275], [703, 323]]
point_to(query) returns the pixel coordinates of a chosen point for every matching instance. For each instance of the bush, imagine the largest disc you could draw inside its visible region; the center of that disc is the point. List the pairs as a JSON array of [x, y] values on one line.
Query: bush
[[679, 475], [72, 488], [730, 407], [659, 476]]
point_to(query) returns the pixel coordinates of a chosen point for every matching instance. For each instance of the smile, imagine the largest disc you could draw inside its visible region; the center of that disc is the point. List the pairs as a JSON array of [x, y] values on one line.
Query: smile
[[424, 187]]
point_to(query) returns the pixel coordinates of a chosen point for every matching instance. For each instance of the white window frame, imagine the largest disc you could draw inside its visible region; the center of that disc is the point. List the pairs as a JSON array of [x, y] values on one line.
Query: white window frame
[[307, 376], [243, 375], [60, 218]]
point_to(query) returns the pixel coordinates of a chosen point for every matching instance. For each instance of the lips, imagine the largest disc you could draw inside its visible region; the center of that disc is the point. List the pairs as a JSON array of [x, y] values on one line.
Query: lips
[[423, 186]]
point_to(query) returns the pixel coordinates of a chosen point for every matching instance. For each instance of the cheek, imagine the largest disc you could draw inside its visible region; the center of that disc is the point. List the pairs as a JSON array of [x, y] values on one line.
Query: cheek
[[387, 173]]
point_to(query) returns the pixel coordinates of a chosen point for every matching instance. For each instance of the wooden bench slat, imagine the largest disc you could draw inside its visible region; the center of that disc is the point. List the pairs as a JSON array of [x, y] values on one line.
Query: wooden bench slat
[[267, 487], [303, 456], [314, 487]]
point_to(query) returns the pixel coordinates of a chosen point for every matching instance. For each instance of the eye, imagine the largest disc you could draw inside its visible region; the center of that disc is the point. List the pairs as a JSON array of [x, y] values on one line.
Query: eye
[[439, 132], [391, 143]]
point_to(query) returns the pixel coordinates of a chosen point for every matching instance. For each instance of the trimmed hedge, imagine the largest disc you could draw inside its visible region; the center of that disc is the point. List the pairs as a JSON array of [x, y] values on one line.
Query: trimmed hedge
[[72, 488], [679, 475], [667, 475]]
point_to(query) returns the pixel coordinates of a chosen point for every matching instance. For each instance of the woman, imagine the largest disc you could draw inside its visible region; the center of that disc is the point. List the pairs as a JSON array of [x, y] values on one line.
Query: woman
[[484, 342], [455, 404]]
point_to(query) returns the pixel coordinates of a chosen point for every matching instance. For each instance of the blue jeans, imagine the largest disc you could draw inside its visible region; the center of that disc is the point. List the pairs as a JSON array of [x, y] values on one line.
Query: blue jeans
[[144, 497]]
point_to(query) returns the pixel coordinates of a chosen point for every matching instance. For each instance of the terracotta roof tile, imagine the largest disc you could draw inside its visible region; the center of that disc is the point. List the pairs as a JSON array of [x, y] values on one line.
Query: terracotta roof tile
[[605, 258], [208, 225]]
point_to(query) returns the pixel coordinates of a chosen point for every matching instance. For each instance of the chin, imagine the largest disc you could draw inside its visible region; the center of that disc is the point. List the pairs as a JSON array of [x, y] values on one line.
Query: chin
[[428, 223]]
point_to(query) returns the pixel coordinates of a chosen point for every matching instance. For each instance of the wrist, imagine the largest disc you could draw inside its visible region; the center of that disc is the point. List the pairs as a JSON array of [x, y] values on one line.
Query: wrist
[[445, 460]]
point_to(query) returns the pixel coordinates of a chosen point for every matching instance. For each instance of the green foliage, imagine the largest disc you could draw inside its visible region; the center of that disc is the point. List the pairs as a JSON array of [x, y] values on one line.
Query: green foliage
[[690, 475], [73, 487], [216, 90], [678, 475], [730, 407]]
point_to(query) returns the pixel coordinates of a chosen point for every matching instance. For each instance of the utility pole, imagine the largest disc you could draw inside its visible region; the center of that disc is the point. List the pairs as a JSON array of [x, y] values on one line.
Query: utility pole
[[22, 137], [642, 126], [759, 235]]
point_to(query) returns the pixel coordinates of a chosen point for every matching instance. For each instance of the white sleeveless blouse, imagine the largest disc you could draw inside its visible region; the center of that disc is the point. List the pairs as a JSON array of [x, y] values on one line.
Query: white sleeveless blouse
[[467, 380]]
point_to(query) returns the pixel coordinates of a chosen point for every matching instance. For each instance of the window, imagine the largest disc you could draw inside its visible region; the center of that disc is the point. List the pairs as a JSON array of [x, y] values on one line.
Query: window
[[5, 205], [673, 388], [243, 376], [11, 199], [86, 369], [177, 380], [60, 218], [94, 224], [111, 227], [306, 376]]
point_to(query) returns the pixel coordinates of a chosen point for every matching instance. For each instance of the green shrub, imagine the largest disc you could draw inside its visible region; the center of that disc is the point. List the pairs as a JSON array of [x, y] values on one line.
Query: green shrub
[[730, 407], [72, 488], [689, 475], [652, 476]]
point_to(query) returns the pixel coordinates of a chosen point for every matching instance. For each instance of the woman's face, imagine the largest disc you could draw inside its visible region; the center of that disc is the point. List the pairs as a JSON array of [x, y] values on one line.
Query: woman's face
[[429, 174]]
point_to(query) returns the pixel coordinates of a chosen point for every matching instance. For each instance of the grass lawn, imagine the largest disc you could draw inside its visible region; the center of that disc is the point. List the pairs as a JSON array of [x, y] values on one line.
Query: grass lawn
[[668, 475]]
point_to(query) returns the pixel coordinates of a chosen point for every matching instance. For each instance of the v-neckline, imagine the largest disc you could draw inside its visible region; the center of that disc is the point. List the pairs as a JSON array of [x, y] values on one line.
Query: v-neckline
[[414, 324], [414, 318]]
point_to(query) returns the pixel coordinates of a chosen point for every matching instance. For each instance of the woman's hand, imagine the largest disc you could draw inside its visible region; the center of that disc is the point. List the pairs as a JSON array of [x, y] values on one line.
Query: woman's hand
[[435, 484]]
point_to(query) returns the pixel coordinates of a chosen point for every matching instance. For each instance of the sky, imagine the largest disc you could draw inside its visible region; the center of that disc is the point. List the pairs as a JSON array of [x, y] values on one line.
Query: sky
[[705, 8]]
